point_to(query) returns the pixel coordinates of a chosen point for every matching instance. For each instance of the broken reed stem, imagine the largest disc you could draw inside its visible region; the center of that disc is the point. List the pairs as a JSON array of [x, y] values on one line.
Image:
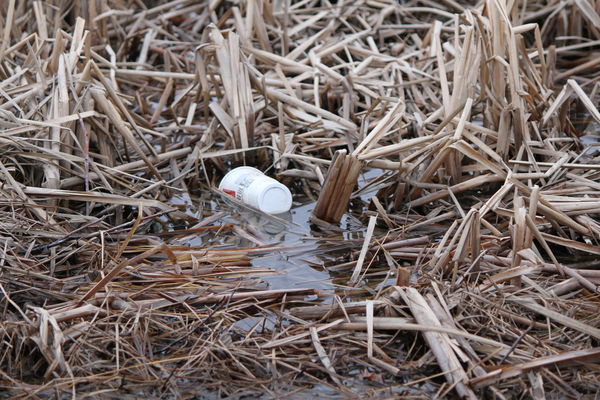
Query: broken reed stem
[[339, 183]]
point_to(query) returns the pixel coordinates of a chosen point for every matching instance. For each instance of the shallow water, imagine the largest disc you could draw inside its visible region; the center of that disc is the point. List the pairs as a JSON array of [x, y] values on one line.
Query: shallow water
[[297, 267], [300, 250], [300, 263], [591, 138]]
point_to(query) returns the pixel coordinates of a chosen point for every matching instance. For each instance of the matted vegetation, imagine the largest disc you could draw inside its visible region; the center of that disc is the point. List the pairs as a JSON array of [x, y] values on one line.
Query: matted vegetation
[[124, 274]]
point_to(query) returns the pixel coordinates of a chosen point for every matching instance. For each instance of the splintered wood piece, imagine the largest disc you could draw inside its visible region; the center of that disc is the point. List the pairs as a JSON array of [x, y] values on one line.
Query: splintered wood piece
[[339, 183]]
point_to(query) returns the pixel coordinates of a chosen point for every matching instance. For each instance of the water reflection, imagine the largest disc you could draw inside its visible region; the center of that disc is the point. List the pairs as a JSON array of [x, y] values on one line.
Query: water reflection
[[295, 251], [295, 256]]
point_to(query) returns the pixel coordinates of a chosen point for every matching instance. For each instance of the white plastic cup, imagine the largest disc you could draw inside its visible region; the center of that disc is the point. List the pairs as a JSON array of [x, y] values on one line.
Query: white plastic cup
[[254, 188]]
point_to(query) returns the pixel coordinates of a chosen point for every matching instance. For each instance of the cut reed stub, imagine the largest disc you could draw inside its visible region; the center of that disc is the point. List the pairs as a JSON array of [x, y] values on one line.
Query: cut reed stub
[[340, 182]]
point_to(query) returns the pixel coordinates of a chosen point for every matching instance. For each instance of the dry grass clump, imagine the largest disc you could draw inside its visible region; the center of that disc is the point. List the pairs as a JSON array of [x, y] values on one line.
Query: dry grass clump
[[123, 273]]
